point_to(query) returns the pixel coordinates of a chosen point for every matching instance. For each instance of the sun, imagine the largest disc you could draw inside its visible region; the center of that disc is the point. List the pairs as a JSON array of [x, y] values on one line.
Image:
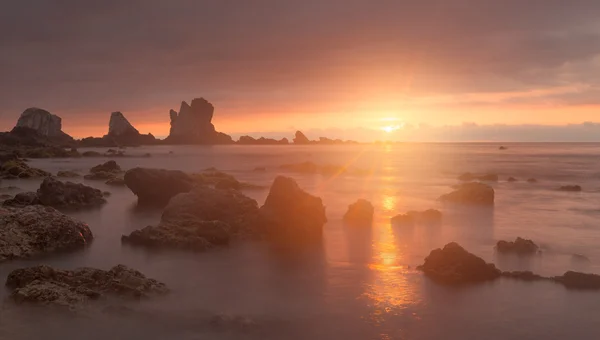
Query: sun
[[390, 128]]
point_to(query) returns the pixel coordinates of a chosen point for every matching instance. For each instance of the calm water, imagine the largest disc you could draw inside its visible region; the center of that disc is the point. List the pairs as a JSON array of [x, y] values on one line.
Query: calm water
[[361, 284]]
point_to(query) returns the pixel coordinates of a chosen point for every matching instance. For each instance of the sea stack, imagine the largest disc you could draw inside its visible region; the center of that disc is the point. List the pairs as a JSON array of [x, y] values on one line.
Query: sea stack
[[193, 125], [122, 132], [41, 126], [301, 138]]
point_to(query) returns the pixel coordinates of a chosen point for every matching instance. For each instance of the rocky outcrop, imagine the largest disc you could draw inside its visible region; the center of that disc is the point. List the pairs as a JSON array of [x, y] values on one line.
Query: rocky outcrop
[[570, 188], [37, 230], [68, 195], [107, 171], [519, 246], [454, 265], [201, 219], [471, 193], [44, 285], [42, 121], [248, 140], [193, 125], [429, 216], [121, 132], [291, 215], [300, 138], [116, 182], [18, 168], [359, 213], [157, 186], [576, 280]]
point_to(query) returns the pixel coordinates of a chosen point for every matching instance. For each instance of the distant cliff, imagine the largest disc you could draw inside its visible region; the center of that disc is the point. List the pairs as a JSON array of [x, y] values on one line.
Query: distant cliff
[[193, 125]]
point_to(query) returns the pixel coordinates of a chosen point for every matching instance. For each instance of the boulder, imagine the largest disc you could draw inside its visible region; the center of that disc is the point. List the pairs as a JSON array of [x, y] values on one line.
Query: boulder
[[576, 280], [193, 235], [471, 193], [68, 195], [520, 246], [18, 168], [429, 216], [157, 186], [44, 285], [193, 125], [300, 138], [502, 148], [571, 188], [454, 265], [67, 174], [110, 166], [290, 214], [23, 199], [360, 213], [36, 230]]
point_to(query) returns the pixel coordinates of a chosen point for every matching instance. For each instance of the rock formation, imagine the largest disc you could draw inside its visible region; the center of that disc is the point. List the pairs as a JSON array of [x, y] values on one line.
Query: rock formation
[[429, 216], [248, 140], [300, 138], [193, 125], [37, 127], [44, 285], [471, 193], [18, 168], [120, 133], [519, 246], [157, 186], [571, 188], [36, 230], [62, 195], [360, 213], [107, 171], [42, 121]]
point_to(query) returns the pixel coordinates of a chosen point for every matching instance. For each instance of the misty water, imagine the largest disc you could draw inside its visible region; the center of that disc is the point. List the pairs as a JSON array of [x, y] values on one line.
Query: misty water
[[360, 283]]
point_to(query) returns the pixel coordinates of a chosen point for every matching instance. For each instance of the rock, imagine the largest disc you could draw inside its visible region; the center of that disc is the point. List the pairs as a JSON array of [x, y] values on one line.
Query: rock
[[292, 215], [23, 199], [532, 180], [520, 246], [467, 177], [17, 168], [68, 195], [157, 186], [571, 188], [247, 140], [576, 280], [100, 176], [301, 138], [454, 265], [35, 230], [44, 285], [106, 193], [192, 125], [117, 181], [42, 122], [511, 179], [429, 216], [471, 193], [360, 213], [502, 148], [121, 132], [110, 166], [4, 197], [67, 174], [200, 219], [119, 125]]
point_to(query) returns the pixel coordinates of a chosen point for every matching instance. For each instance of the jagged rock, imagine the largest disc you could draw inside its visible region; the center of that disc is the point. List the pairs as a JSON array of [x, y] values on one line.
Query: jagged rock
[[192, 125], [157, 186], [18, 168], [248, 140], [36, 230], [200, 219], [68, 195], [429, 216], [454, 265], [117, 181], [300, 138], [519, 246], [42, 121], [67, 174], [576, 280], [471, 193], [44, 285], [110, 166], [511, 179], [571, 188], [119, 125], [360, 213], [121, 132], [292, 215], [23, 199]]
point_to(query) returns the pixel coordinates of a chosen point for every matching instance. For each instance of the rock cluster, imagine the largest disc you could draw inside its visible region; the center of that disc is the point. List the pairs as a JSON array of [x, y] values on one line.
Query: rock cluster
[[193, 125], [44, 285], [359, 213], [248, 140], [471, 193], [18, 168], [36, 230], [62, 195], [107, 171], [519, 246]]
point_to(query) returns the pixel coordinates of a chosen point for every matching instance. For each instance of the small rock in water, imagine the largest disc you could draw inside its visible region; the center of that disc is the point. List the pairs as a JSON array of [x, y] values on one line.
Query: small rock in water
[[572, 188], [511, 179], [502, 148], [157, 186], [360, 213], [68, 195], [523, 276], [471, 193], [23, 199], [576, 280], [531, 180], [520, 246], [110, 166]]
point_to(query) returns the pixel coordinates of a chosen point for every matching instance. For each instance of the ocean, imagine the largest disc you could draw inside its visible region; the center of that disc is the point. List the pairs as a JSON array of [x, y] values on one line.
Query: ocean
[[360, 283]]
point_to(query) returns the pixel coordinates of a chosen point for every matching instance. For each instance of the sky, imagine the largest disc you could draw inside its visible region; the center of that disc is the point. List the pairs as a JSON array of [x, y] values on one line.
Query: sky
[[426, 70]]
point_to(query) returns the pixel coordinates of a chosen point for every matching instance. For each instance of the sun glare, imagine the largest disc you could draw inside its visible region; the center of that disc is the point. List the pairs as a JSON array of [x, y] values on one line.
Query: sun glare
[[390, 128]]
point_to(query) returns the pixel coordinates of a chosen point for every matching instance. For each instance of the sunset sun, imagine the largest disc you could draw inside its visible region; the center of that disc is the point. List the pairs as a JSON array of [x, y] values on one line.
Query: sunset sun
[[390, 128]]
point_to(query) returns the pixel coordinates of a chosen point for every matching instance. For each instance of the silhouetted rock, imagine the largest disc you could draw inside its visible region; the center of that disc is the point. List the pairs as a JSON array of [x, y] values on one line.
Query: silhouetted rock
[[454, 265], [121, 132], [531, 180], [110, 166], [511, 179], [360, 213], [576, 280], [67, 174], [300, 138], [157, 186], [192, 125], [571, 188], [35, 230], [502, 148], [18, 168], [22, 199], [292, 215], [45, 124], [429, 216], [519, 246], [471, 193], [44, 285], [248, 140]]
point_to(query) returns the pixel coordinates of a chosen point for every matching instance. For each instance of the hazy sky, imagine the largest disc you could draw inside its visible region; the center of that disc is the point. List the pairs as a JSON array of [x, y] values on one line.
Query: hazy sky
[[339, 67]]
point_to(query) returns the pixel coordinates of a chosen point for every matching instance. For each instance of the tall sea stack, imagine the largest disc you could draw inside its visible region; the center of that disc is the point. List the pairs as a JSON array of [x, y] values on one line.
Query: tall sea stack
[[37, 127], [192, 125]]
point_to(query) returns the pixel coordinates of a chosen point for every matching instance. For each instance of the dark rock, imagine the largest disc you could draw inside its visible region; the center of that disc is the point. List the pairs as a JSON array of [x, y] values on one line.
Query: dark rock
[[576, 280], [192, 125], [502, 148], [110, 166], [360, 213], [519, 246], [247, 140], [45, 285], [121, 132], [157, 186], [68, 195], [36, 230], [429, 216], [467, 177], [190, 234], [17, 168], [117, 181], [67, 174], [571, 188], [292, 215], [225, 184], [44, 124], [489, 178], [300, 138], [511, 179], [471, 193], [532, 180], [23, 199], [454, 265]]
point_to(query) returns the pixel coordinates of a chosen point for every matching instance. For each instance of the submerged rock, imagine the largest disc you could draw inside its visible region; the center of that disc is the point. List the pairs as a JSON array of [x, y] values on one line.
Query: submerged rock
[[67, 174], [44, 285], [292, 215], [360, 213], [576, 280], [519, 246], [429, 216], [471, 193], [572, 188], [68, 195], [36, 230], [110, 166], [157, 186], [454, 265], [502, 148]]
